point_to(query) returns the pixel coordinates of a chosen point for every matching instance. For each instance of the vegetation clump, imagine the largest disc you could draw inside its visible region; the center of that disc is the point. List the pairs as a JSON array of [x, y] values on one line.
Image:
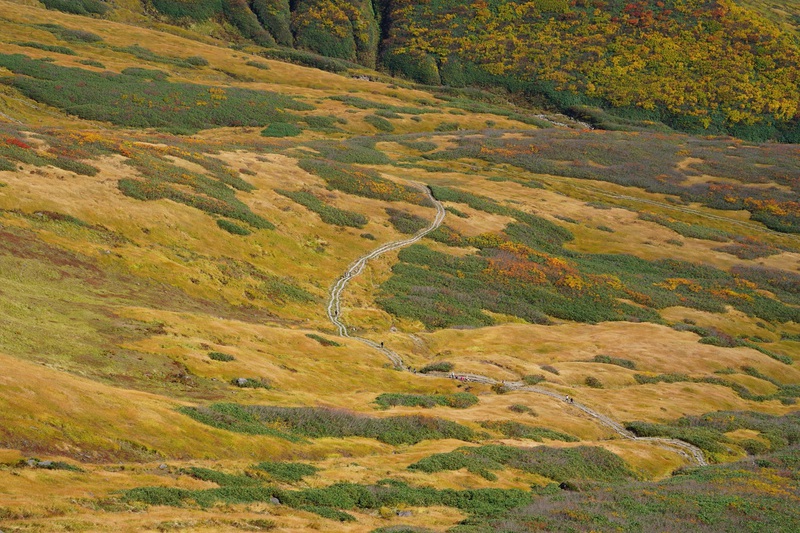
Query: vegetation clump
[[558, 464], [322, 340], [136, 102], [405, 222], [220, 356], [328, 213], [328, 501], [286, 471], [608, 360], [458, 400], [313, 422], [516, 430], [232, 227], [281, 129], [439, 366]]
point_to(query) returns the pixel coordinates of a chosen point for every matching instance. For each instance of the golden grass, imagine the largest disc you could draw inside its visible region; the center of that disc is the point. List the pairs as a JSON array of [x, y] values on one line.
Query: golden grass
[[53, 411]]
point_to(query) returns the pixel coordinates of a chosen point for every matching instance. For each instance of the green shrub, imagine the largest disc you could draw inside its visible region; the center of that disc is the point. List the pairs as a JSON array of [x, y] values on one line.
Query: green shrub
[[239, 14], [197, 61], [69, 34], [275, 16], [91, 63], [50, 465], [281, 129], [362, 182], [321, 123], [593, 382], [146, 73], [533, 379], [441, 366], [309, 59], [379, 123], [251, 383], [219, 356], [519, 408], [500, 388], [558, 464], [515, 430], [258, 64], [287, 472], [135, 102], [447, 126], [322, 340], [313, 422], [608, 360], [458, 400], [48, 47], [220, 478], [198, 10], [406, 222], [78, 7], [232, 227], [327, 213], [551, 369]]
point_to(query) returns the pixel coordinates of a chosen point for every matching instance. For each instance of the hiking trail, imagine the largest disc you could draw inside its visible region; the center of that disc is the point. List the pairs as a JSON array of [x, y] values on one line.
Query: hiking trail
[[333, 309]]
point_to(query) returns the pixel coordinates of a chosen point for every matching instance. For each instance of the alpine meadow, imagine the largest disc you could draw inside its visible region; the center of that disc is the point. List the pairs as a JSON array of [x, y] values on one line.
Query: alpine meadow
[[398, 266]]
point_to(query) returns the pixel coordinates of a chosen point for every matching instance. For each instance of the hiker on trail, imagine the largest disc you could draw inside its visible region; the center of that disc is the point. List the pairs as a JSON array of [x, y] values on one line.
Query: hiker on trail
[[381, 344], [568, 399]]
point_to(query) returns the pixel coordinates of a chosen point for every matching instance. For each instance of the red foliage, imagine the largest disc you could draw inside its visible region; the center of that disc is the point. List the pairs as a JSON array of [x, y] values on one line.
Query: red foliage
[[13, 141]]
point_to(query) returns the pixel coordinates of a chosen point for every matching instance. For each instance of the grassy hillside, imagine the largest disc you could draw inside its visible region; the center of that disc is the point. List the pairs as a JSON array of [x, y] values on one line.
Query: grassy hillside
[[174, 212]]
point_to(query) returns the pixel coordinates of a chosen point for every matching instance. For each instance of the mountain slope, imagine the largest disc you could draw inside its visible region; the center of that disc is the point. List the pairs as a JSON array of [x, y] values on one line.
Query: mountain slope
[[698, 66], [174, 212]]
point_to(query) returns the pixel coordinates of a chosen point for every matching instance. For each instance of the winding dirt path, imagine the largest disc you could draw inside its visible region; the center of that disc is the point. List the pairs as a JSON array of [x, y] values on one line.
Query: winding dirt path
[[689, 451], [335, 299]]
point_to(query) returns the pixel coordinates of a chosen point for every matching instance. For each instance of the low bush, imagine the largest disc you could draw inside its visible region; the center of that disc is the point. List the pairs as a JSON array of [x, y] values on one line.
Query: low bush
[[198, 10], [220, 478], [500, 388], [281, 129], [146, 73], [313, 422], [593, 382], [519, 408], [362, 103], [251, 383], [608, 360], [232, 227], [558, 464], [219, 356], [322, 340], [458, 400], [533, 379], [441, 366], [406, 222], [136, 102], [258, 64], [515, 430], [48, 47], [287, 472], [92, 63], [446, 126], [50, 465], [78, 7], [327, 501], [327, 213], [551, 369], [362, 182], [379, 123], [71, 35]]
